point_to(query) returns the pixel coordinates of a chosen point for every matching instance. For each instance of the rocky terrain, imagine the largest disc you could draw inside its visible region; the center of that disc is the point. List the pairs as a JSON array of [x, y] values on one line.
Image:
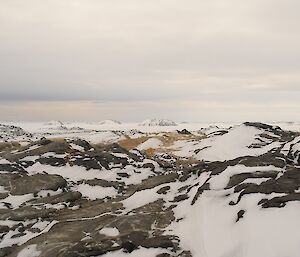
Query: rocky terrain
[[211, 192]]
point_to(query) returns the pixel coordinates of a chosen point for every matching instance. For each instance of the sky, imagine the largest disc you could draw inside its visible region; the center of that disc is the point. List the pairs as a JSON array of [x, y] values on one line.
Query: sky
[[195, 60]]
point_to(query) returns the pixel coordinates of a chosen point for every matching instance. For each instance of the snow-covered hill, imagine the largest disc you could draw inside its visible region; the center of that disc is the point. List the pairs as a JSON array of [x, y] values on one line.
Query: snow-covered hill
[[110, 122], [158, 122], [10, 132], [214, 193]]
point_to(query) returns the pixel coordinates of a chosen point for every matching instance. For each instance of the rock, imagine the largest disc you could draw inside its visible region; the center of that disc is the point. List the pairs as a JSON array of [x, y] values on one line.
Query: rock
[[180, 198], [60, 198], [129, 247], [123, 174], [149, 165], [240, 215], [279, 202], [36, 183], [156, 181], [52, 161], [164, 190], [185, 254], [4, 229], [184, 132]]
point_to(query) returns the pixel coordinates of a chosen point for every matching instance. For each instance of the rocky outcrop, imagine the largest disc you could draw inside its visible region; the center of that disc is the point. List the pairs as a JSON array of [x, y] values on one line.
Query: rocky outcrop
[[71, 198]]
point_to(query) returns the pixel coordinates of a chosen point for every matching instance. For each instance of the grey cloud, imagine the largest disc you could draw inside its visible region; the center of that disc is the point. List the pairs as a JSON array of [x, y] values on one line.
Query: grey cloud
[[157, 51]]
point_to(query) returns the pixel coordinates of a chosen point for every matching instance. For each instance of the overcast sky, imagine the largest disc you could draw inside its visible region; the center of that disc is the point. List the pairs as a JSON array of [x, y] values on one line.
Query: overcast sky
[[194, 60]]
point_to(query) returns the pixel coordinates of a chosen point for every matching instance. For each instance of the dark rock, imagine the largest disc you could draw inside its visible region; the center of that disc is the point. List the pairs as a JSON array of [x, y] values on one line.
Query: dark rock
[[87, 162], [83, 143], [129, 247], [163, 190], [123, 174], [159, 242], [60, 198], [35, 183], [184, 132], [4, 229], [180, 198], [164, 255], [279, 202], [149, 165], [156, 181], [53, 161], [185, 254], [240, 215]]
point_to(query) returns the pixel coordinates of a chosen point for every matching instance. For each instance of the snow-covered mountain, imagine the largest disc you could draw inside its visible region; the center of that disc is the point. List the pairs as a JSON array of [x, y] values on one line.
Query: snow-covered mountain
[[227, 192], [158, 122], [110, 122]]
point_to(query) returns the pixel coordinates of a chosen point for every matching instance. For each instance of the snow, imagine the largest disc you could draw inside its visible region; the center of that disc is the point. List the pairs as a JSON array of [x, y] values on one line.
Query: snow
[[41, 225], [16, 200], [9, 239], [95, 192], [45, 193], [77, 147], [110, 122], [2, 190], [141, 252], [158, 122], [4, 161], [256, 181], [78, 173], [150, 143], [29, 251], [288, 145], [209, 228], [139, 199], [229, 146], [221, 180], [72, 173], [111, 232]]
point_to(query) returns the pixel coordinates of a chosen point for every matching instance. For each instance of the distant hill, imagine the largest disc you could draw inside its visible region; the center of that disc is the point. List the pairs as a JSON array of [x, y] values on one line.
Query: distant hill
[[158, 122], [110, 122]]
